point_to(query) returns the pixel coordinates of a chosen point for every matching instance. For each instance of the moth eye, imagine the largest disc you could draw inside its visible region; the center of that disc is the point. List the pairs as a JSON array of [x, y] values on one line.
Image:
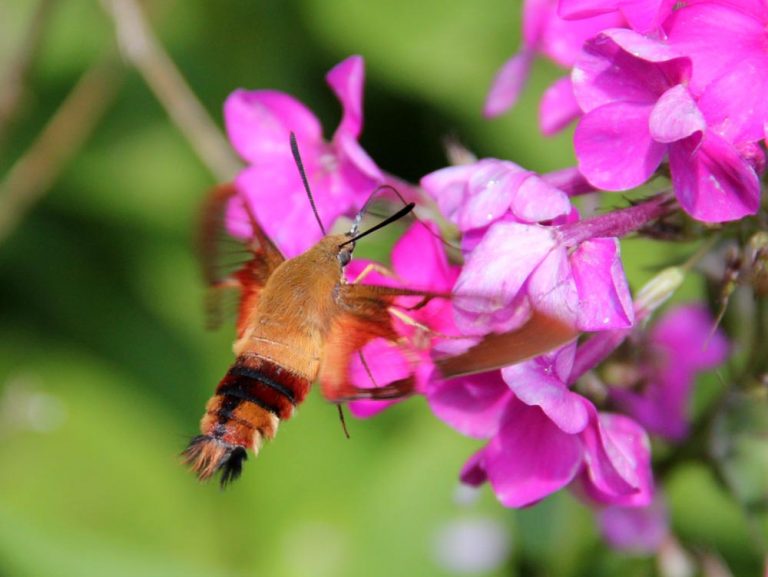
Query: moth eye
[[344, 258]]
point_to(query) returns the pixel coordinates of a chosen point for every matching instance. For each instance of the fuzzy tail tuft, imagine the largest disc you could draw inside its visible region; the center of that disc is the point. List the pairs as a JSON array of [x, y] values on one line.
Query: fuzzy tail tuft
[[207, 455]]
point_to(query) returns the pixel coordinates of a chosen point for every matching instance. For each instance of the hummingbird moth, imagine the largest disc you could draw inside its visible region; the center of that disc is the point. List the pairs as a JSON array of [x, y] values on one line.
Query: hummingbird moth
[[299, 321]]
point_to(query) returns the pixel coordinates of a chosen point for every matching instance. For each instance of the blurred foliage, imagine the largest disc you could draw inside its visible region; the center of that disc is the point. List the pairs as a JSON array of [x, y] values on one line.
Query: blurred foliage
[[105, 366]]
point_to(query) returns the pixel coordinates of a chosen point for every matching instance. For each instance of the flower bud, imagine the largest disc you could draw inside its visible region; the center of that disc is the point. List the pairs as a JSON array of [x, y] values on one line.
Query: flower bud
[[657, 291]]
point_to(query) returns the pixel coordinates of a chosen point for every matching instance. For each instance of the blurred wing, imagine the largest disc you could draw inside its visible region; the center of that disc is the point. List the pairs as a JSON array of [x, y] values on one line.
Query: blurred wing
[[539, 335], [233, 266], [364, 316]]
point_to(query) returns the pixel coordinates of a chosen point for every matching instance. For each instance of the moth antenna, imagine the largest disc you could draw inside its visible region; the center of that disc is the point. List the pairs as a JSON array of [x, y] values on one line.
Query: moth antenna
[[300, 166]]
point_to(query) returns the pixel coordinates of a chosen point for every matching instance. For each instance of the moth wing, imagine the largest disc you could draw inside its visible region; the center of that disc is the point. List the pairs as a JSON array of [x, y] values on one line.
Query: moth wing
[[233, 266], [365, 316]]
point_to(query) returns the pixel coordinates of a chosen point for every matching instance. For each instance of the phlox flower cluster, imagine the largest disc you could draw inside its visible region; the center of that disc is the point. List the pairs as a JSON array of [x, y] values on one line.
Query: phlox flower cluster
[[660, 92], [653, 83]]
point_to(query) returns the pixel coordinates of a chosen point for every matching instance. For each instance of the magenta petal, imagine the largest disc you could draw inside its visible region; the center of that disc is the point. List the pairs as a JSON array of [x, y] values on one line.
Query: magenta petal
[[419, 257], [676, 116], [387, 364], [719, 37], [635, 529], [711, 180], [679, 345], [614, 148], [490, 189], [739, 120], [551, 287], [530, 457], [563, 40], [538, 201], [448, 187], [289, 223], [645, 48], [499, 266], [604, 299], [258, 123], [346, 79], [689, 328], [645, 16], [578, 9], [535, 384], [472, 405], [726, 41], [621, 65], [350, 151], [473, 472], [507, 84], [617, 457], [568, 180], [558, 107]]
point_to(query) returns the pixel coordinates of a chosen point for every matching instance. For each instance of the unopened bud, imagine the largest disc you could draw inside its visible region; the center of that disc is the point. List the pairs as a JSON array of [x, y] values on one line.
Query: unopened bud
[[657, 290], [457, 153]]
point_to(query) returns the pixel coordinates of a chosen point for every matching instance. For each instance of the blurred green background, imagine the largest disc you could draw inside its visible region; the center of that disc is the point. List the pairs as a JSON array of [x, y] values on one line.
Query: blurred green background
[[104, 363]]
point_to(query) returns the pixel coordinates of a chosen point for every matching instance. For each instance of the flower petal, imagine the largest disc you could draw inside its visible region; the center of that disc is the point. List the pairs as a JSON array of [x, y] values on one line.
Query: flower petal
[[711, 180], [497, 269], [552, 290], [635, 529], [621, 65], [726, 42], [289, 223], [448, 186], [387, 364], [490, 189], [419, 257], [507, 84], [352, 156], [617, 457], [739, 120], [530, 457], [604, 299], [689, 328], [535, 383], [558, 107], [472, 405], [676, 116], [258, 123], [535, 200], [614, 147], [347, 79]]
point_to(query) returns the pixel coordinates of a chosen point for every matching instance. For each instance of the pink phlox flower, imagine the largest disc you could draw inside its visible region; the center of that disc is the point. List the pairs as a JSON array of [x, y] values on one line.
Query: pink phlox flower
[[340, 172], [418, 262], [726, 42], [513, 263], [544, 436], [677, 348], [545, 33], [638, 530], [519, 267], [474, 196], [638, 108]]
